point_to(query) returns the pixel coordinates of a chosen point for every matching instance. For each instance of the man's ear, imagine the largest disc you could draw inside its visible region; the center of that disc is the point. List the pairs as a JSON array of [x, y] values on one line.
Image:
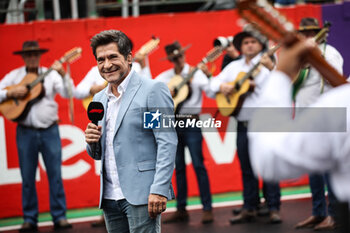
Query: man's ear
[[129, 58]]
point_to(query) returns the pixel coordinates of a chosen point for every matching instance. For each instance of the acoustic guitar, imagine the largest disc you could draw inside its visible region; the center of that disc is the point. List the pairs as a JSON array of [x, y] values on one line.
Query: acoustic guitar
[[179, 85], [17, 109], [147, 48], [243, 84], [275, 26]]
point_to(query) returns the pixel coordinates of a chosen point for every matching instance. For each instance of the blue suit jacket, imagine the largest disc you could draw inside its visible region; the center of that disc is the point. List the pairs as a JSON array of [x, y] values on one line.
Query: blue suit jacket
[[145, 158]]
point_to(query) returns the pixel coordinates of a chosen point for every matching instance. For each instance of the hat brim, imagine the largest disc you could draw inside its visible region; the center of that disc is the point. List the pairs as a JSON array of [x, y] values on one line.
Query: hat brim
[[181, 52], [309, 28], [20, 52]]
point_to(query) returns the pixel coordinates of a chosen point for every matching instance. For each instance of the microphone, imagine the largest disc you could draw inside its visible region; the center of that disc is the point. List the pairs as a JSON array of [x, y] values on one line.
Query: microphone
[[95, 113]]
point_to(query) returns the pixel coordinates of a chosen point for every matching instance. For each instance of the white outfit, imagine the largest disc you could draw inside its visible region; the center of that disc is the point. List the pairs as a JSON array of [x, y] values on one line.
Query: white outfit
[[283, 155], [311, 89], [230, 73], [199, 83], [93, 77], [53, 84]]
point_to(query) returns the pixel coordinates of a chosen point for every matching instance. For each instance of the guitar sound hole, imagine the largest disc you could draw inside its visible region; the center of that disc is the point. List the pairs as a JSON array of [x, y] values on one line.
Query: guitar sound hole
[[237, 86]]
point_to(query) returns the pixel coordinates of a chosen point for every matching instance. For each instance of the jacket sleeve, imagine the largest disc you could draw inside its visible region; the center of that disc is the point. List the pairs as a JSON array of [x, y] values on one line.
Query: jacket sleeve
[[166, 139]]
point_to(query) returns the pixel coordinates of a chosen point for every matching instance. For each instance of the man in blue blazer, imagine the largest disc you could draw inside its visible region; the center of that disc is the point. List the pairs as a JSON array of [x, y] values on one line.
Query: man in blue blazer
[[137, 163]]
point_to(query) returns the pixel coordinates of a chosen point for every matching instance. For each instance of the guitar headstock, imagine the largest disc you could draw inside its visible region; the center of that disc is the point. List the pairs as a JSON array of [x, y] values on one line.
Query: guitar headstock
[[265, 18], [72, 55], [149, 46], [213, 54]]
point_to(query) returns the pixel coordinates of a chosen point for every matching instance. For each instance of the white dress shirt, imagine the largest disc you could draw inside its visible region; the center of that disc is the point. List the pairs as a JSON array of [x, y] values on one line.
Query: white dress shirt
[[230, 73], [199, 83], [283, 155], [93, 77], [112, 189], [44, 112], [314, 86]]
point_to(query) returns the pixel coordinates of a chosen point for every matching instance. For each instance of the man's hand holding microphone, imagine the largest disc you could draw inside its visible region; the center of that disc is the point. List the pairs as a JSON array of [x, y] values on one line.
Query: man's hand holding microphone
[[93, 130]]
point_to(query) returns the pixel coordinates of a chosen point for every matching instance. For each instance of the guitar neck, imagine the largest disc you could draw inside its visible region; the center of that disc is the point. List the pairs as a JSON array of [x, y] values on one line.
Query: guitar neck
[[273, 49], [270, 52], [327, 71], [39, 79], [187, 79], [321, 35], [249, 73], [212, 56], [43, 75]]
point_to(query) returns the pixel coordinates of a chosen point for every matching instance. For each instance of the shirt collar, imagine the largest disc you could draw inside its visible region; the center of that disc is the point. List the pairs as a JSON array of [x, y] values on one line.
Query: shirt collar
[[185, 70], [122, 87], [255, 60]]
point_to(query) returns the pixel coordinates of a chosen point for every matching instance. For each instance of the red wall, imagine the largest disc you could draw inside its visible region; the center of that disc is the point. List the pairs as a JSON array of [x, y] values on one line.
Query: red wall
[[198, 29]]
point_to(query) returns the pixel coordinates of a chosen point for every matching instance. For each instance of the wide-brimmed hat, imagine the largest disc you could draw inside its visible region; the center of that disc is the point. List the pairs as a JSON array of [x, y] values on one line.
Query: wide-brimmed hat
[[239, 37], [309, 24], [30, 46], [174, 50]]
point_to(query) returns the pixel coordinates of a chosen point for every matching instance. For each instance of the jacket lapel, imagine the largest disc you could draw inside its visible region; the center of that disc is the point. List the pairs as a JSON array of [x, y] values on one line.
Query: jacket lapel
[[129, 94]]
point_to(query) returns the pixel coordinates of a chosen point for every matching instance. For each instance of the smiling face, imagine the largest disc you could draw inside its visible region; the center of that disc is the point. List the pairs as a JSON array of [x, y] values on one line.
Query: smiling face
[[112, 65]]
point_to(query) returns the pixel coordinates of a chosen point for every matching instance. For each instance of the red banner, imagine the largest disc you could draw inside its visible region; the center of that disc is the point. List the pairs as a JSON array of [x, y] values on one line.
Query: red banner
[[80, 172]]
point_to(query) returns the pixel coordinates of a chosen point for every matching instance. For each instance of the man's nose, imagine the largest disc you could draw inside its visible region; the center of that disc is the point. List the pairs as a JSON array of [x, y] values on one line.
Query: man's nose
[[107, 64]]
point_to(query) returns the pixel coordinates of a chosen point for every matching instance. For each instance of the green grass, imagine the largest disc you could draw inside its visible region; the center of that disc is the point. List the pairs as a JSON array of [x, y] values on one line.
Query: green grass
[[87, 212]]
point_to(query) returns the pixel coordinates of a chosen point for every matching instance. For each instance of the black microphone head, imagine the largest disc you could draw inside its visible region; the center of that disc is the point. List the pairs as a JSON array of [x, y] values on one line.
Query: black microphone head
[[95, 111]]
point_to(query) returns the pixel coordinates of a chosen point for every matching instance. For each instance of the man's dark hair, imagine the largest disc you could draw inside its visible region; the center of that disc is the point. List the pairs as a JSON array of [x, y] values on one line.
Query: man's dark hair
[[112, 36]]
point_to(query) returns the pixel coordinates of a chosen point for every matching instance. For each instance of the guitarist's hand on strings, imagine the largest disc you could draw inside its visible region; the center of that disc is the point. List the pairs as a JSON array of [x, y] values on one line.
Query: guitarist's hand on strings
[[291, 59], [226, 89], [59, 68], [205, 69], [267, 61], [140, 58], [17, 92]]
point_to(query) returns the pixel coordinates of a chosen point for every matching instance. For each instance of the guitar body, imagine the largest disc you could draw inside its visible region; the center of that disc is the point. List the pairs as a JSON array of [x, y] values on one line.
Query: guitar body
[[17, 109], [182, 94], [87, 101], [231, 104]]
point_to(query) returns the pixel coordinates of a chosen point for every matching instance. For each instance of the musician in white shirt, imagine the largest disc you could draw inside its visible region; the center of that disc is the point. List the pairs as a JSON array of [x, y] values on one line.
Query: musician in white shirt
[[307, 89], [37, 131], [312, 143], [251, 48], [190, 137]]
